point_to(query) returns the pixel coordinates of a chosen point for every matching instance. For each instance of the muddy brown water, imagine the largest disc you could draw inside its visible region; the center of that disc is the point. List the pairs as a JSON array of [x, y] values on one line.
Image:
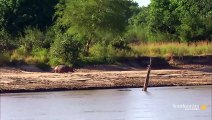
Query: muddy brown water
[[159, 103]]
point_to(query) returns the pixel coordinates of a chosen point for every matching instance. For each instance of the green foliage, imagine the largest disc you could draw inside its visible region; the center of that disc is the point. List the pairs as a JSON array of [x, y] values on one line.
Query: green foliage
[[137, 30], [4, 58], [188, 20], [93, 17], [41, 54], [36, 56], [33, 38], [195, 17], [137, 34], [174, 49], [163, 20], [6, 42], [50, 35], [100, 53], [105, 54], [16, 15], [99, 31], [141, 18], [65, 50], [19, 54], [162, 37]]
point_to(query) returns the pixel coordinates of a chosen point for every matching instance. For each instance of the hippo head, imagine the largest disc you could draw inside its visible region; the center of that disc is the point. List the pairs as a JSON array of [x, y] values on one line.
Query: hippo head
[[63, 69]]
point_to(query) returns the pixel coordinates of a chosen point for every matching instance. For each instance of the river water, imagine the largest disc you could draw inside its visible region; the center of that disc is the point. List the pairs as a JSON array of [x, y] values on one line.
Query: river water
[[159, 103]]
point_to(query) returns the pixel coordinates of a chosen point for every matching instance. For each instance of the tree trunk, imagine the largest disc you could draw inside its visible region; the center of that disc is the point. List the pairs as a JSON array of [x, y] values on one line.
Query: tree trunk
[[146, 82], [87, 48]]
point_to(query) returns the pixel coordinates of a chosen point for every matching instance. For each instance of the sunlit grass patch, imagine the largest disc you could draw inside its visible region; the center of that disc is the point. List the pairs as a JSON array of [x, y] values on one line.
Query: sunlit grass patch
[[174, 48]]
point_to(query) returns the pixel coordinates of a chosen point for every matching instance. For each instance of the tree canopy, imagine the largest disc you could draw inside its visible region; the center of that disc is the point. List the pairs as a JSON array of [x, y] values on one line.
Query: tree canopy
[[92, 17], [70, 29], [189, 20], [16, 15]]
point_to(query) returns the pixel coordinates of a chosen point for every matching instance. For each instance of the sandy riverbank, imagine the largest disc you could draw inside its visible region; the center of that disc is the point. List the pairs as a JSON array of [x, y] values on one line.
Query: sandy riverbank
[[17, 80]]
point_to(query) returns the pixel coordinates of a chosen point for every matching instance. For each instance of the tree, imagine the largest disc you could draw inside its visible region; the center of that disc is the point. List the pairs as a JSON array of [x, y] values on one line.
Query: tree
[[5, 41], [196, 19], [33, 39], [16, 15], [190, 20], [142, 18], [91, 17], [137, 29], [163, 17]]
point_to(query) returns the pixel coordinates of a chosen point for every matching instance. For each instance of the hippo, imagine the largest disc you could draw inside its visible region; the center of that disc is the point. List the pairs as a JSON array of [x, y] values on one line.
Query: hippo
[[63, 69]]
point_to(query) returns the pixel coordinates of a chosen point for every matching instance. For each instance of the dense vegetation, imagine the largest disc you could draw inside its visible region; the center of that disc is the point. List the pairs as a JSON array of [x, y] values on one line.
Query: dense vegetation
[[76, 32]]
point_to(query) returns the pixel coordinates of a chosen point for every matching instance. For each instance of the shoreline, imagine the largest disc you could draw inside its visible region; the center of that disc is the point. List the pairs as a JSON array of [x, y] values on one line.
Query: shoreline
[[95, 88], [187, 71], [19, 82]]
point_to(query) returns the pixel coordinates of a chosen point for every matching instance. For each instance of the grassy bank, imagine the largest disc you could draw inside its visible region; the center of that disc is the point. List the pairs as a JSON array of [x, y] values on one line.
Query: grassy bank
[[173, 49], [108, 54]]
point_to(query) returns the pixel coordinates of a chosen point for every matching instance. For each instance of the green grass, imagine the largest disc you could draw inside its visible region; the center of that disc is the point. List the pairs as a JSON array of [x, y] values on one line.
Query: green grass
[[38, 56], [100, 54], [173, 49]]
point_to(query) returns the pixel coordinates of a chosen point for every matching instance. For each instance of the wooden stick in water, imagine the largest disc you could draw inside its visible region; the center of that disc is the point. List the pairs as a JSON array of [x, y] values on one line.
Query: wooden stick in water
[[146, 82]]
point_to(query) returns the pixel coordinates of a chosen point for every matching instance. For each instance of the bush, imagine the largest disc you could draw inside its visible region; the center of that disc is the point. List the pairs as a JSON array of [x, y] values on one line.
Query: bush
[[41, 55], [4, 58], [49, 37], [19, 54], [31, 60], [107, 54], [162, 37], [33, 38], [37, 56], [102, 54], [65, 50], [6, 42], [136, 34]]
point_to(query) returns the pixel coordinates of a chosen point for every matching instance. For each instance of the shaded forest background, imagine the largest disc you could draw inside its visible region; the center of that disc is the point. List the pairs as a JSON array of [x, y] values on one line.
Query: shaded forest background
[[80, 32]]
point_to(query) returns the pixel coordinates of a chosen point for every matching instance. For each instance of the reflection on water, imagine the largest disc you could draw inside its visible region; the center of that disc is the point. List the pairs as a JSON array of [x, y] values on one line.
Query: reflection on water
[[161, 103]]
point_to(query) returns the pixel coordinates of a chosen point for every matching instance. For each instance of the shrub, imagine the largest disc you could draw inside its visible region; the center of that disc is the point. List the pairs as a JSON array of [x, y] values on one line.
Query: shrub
[[6, 42], [49, 37], [37, 56], [136, 34], [41, 55], [162, 37], [4, 58], [108, 54], [31, 60], [65, 50], [103, 53], [33, 38], [19, 54]]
